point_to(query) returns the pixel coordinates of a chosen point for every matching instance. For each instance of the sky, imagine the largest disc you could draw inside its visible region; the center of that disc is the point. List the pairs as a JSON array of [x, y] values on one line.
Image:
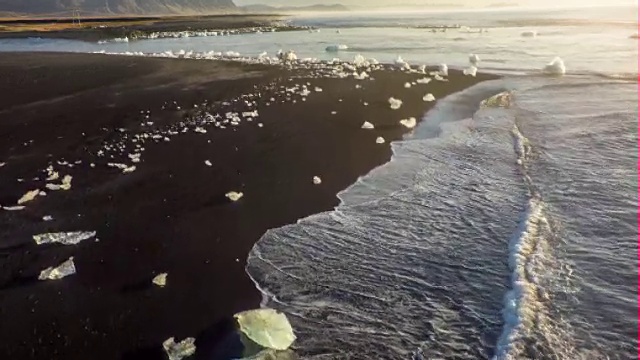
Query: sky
[[466, 3]]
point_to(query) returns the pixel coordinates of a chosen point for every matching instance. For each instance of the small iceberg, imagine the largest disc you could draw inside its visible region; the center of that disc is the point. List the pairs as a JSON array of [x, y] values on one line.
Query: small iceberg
[[234, 196], [474, 59], [30, 195], [336, 48], [55, 273], [555, 67], [379, 140], [160, 280], [367, 125], [429, 97], [395, 103], [178, 351], [470, 71], [266, 327], [65, 238], [409, 123]]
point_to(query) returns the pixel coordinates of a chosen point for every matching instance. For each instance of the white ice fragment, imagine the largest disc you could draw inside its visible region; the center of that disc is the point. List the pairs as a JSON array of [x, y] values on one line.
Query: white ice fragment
[[444, 70], [200, 130], [266, 327], [53, 175], [379, 140], [129, 169], [409, 123], [160, 279], [30, 195], [317, 89], [178, 351], [555, 67], [395, 103], [429, 97], [424, 81], [65, 185], [208, 163], [234, 196], [407, 85], [317, 180], [55, 273], [470, 71], [13, 208], [65, 238], [401, 64], [439, 78], [367, 125], [2, 164], [474, 59], [260, 125], [135, 157], [47, 218]]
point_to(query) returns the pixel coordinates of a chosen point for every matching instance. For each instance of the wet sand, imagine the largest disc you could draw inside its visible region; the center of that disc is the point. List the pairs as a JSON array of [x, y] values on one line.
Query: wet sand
[[170, 214]]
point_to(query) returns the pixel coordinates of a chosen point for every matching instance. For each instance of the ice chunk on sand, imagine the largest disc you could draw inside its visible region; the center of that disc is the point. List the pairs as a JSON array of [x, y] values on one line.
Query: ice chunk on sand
[[178, 351], [367, 125], [317, 180], [129, 169], [65, 238], [439, 78], [379, 140], [55, 273], [30, 195], [234, 196], [407, 85], [555, 67], [65, 185], [429, 97], [13, 208], [47, 218], [208, 163], [266, 327], [424, 81], [471, 71], [409, 123], [160, 279], [395, 103], [443, 70], [401, 64]]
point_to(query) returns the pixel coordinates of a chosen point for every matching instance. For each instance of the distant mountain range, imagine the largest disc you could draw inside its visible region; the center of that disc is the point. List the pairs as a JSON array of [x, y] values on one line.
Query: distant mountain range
[[261, 8]]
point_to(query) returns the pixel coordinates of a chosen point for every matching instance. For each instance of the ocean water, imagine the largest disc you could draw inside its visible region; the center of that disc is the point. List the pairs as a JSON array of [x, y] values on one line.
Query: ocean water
[[495, 232]]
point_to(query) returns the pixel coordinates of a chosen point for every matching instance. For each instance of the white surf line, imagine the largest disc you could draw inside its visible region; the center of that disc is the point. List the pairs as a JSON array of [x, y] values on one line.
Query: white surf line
[[523, 309]]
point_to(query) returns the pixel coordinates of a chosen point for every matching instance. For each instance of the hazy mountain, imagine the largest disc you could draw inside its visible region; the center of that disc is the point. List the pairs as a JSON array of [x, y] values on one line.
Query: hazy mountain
[[261, 8], [106, 7]]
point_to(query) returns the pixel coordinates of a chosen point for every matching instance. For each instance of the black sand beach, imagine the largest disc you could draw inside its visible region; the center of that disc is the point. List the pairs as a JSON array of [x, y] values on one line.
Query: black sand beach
[[170, 214]]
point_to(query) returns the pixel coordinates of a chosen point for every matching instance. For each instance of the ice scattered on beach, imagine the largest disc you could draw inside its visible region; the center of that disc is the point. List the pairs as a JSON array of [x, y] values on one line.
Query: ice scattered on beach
[[429, 97], [401, 64], [180, 350], [30, 195], [55, 273], [555, 67], [234, 196], [409, 123], [395, 103], [65, 238], [160, 280], [379, 140], [367, 125], [13, 208], [317, 180], [470, 71], [65, 185]]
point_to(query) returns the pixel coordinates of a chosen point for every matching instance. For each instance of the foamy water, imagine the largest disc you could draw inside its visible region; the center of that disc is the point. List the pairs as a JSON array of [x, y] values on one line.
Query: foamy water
[[495, 232]]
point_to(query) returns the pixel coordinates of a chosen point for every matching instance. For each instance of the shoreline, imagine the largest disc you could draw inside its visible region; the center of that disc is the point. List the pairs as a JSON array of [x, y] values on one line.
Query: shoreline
[[133, 27], [170, 214]]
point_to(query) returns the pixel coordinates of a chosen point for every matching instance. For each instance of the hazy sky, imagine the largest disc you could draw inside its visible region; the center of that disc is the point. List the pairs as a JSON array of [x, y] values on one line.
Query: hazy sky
[[470, 3]]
